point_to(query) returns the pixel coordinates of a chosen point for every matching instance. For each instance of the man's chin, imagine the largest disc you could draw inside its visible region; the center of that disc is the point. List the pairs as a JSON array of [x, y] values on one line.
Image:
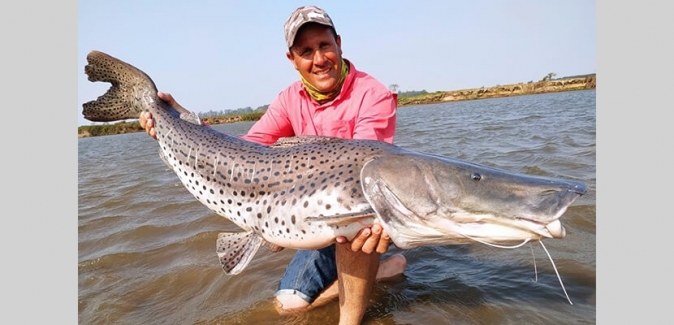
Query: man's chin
[[325, 86]]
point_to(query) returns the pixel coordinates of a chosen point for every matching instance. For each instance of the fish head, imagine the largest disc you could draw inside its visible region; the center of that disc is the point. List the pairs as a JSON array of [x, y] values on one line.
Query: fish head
[[421, 198]]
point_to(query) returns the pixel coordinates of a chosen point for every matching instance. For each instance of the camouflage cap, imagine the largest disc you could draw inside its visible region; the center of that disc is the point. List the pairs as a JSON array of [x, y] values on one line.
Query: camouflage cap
[[301, 16]]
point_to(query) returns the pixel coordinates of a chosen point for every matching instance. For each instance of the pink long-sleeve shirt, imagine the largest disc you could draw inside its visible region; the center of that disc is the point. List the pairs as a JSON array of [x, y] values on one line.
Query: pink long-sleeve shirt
[[364, 109]]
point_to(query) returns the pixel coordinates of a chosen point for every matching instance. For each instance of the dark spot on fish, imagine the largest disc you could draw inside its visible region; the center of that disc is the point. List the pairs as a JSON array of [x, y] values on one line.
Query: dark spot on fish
[[292, 219], [259, 215], [306, 204]]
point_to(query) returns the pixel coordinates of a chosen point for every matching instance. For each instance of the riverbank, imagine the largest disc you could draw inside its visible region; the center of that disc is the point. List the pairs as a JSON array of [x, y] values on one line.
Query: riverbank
[[519, 89]]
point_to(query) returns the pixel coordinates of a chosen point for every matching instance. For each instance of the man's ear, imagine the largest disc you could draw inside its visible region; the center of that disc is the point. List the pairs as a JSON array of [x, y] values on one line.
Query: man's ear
[[291, 57], [339, 44]]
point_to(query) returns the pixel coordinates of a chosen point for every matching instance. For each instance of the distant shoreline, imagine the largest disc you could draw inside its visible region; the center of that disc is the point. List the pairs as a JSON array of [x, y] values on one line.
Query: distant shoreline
[[519, 89]]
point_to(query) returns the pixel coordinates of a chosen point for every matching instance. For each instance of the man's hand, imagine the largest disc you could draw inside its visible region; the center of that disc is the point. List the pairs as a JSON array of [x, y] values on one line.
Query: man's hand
[[146, 122], [145, 118], [369, 239]]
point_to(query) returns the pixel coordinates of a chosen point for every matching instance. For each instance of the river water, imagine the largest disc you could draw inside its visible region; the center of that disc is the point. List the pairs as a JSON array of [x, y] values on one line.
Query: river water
[[146, 247]]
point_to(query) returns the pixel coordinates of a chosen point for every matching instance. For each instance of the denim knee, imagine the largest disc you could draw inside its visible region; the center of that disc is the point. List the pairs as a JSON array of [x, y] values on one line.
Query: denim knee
[[309, 273]]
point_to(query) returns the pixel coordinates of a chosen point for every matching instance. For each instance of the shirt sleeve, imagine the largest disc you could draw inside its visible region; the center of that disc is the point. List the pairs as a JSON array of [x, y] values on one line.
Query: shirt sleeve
[[273, 125], [377, 117]]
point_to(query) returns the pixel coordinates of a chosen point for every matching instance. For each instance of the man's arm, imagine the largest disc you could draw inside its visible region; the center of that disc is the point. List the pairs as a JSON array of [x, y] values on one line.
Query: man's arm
[[377, 117], [376, 121]]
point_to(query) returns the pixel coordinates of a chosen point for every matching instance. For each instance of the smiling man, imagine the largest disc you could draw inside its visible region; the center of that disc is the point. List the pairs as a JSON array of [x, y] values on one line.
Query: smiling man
[[332, 98]]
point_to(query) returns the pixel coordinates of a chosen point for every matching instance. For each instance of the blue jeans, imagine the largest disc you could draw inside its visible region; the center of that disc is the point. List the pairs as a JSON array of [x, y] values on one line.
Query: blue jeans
[[309, 273]]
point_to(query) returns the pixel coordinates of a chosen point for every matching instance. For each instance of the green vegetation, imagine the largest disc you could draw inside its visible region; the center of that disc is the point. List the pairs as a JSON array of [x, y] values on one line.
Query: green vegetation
[[108, 129], [130, 127]]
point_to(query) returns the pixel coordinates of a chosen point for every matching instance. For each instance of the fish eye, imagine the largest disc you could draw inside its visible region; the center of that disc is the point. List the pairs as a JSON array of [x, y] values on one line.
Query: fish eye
[[475, 176]]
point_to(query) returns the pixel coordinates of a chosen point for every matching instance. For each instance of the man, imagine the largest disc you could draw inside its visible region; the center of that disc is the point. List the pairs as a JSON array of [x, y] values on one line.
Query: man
[[331, 98]]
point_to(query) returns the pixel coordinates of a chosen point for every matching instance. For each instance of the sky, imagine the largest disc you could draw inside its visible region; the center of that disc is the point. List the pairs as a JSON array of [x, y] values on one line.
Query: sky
[[218, 55]]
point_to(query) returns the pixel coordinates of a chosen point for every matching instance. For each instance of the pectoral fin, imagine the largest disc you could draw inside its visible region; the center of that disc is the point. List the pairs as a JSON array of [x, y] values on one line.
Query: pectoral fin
[[344, 219], [236, 250]]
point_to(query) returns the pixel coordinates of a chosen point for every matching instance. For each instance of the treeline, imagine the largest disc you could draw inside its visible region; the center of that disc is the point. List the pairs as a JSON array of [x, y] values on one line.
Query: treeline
[[130, 127], [237, 111], [108, 129], [412, 93], [578, 76]]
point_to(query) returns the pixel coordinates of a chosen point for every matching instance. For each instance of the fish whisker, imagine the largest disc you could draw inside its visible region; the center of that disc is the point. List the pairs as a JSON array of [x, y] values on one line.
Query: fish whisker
[[555, 268], [535, 269]]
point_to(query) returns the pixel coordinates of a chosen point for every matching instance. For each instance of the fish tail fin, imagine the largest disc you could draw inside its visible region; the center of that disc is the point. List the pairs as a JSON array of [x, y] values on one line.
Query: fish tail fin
[[236, 250], [126, 97]]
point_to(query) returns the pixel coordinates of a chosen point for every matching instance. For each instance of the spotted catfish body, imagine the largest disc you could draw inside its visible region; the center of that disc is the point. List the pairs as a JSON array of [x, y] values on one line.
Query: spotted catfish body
[[302, 192]]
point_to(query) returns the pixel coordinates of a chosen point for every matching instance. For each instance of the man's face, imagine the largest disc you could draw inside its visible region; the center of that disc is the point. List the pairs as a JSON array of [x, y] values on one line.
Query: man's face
[[317, 55]]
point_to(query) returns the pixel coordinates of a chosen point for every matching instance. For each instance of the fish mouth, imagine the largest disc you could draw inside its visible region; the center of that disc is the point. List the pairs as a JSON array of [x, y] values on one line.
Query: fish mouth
[[552, 229], [556, 229], [496, 230]]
